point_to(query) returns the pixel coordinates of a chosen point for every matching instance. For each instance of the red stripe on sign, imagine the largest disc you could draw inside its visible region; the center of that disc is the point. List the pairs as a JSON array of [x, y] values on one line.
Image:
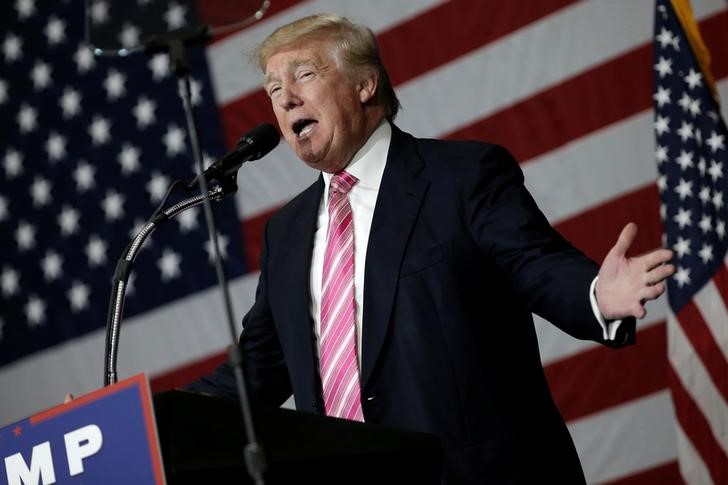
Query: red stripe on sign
[[595, 231], [698, 431], [702, 340], [219, 13], [594, 380], [667, 474], [720, 278], [181, 376], [466, 24]]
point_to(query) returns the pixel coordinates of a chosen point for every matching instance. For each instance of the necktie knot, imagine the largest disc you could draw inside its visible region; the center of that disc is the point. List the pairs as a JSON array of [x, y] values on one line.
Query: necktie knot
[[342, 182]]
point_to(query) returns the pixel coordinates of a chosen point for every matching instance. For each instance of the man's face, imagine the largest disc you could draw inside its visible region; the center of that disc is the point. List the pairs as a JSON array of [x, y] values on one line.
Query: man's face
[[319, 109]]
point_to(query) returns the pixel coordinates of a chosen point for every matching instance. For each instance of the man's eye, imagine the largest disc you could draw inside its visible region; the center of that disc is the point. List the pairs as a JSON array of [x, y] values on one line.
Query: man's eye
[[305, 74], [273, 90]]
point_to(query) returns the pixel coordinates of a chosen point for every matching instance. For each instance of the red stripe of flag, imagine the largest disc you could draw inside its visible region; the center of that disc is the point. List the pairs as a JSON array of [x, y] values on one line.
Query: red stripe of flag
[[666, 474]]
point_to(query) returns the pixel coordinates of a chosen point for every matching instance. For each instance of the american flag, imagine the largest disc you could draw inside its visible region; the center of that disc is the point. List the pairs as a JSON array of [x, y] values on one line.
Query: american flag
[[691, 152], [566, 85]]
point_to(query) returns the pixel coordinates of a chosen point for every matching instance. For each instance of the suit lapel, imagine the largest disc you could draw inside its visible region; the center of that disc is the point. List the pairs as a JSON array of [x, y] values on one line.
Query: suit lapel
[[398, 203]]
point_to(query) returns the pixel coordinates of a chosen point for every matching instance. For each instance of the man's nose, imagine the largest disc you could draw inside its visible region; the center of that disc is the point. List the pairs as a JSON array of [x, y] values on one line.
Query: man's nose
[[288, 98]]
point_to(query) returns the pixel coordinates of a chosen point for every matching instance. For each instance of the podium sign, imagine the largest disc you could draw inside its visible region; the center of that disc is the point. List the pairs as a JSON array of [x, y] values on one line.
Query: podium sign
[[108, 436]]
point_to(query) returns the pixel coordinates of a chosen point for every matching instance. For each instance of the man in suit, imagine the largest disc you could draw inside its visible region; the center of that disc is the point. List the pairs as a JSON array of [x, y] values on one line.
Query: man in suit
[[434, 286]]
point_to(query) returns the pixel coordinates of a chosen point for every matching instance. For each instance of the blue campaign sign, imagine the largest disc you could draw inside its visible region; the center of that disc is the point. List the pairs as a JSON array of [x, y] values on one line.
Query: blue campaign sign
[[108, 436]]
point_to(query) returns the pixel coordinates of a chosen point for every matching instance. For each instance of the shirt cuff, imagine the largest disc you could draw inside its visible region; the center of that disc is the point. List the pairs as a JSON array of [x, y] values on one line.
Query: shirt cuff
[[609, 327]]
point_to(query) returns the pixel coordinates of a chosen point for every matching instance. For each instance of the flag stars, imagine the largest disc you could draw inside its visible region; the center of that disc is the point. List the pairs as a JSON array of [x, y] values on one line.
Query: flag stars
[[55, 146], [96, 251], [665, 38], [144, 112], [157, 186], [716, 170], [188, 220], [682, 247], [169, 264], [175, 16], [664, 67], [9, 281], [27, 118], [113, 205], [701, 166], [13, 163], [715, 142], [40, 75], [78, 296], [99, 12], [174, 139], [25, 236], [222, 242], [114, 85], [55, 30], [51, 264], [84, 176], [129, 159], [35, 311], [662, 183], [685, 160], [694, 109], [686, 131], [682, 276], [684, 102], [684, 189], [662, 96], [662, 124], [661, 154], [40, 192], [100, 130], [129, 36], [68, 220], [12, 47], [718, 199], [25, 8], [683, 218], [704, 194], [70, 103], [84, 59], [693, 79], [720, 229], [705, 223], [159, 64], [706, 253]]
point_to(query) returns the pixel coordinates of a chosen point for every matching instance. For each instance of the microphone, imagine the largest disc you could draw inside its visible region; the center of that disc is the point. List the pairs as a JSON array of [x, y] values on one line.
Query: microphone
[[255, 144]]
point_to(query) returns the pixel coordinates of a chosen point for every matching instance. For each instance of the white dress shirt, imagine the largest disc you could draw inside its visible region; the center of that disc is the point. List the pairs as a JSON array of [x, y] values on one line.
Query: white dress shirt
[[368, 167]]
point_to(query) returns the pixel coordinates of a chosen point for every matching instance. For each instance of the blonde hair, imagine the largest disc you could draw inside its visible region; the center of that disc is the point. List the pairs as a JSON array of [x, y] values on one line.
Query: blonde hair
[[356, 46]]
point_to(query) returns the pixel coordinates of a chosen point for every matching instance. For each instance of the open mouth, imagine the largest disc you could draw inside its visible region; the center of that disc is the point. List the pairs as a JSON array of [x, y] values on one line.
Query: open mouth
[[303, 127]]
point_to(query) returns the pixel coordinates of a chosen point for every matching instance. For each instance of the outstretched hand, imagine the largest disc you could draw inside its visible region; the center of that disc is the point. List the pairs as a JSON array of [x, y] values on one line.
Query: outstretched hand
[[625, 284]]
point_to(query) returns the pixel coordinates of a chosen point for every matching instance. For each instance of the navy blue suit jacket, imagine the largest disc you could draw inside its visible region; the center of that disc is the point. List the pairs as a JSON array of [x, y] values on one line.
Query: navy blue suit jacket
[[458, 258]]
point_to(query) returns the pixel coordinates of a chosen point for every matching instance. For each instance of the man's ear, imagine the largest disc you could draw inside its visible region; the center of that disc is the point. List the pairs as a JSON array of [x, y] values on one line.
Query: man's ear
[[368, 86]]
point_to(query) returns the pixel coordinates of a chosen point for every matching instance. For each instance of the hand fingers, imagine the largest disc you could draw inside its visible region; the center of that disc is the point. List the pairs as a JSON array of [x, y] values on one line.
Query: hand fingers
[[659, 273], [639, 311], [625, 240], [656, 258], [652, 292]]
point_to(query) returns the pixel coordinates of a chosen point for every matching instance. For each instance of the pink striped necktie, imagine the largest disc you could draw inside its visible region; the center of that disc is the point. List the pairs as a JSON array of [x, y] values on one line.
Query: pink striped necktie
[[338, 356]]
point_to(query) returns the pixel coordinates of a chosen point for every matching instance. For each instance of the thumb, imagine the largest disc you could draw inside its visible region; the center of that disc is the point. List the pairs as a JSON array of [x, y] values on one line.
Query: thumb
[[625, 240]]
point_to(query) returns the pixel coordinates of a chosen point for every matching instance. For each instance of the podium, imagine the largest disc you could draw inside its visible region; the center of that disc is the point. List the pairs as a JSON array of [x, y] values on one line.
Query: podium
[[202, 441]]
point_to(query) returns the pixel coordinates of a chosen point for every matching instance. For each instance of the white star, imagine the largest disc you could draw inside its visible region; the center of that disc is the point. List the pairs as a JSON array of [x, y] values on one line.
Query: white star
[[99, 130], [685, 131], [168, 264], [695, 110], [113, 205], [685, 159], [664, 67], [661, 154], [159, 64], [704, 194], [705, 224], [129, 159], [684, 189], [27, 118], [715, 142], [12, 47], [174, 139], [78, 296], [84, 176], [55, 30], [682, 276], [25, 236], [51, 265], [13, 163], [25, 8], [70, 103], [662, 125], [706, 253], [40, 191], [144, 112], [665, 38], [3, 208], [99, 12], [157, 186], [662, 96], [3, 91], [662, 183], [701, 166], [35, 311], [693, 79], [683, 218], [684, 102], [195, 91], [9, 279], [175, 16], [55, 146], [41, 75], [114, 85], [129, 36], [676, 43], [96, 251], [720, 229], [718, 199], [715, 170], [682, 247], [68, 220], [188, 220], [84, 59], [222, 242]]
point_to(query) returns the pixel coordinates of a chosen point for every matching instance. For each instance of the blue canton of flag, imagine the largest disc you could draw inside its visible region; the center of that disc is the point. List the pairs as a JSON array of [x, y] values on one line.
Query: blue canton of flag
[[89, 148], [691, 159]]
